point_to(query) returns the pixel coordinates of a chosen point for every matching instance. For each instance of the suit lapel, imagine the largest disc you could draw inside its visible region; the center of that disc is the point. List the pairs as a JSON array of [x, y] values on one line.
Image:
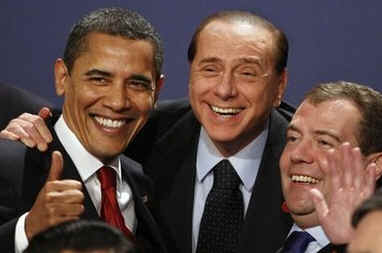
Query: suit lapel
[[174, 168], [266, 226]]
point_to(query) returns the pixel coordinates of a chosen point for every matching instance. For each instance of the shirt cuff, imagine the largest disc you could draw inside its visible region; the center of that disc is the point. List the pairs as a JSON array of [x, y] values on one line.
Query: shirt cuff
[[21, 240]]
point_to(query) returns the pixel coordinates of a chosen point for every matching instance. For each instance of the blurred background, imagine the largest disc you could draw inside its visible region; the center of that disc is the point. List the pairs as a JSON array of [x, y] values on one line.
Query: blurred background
[[329, 39]]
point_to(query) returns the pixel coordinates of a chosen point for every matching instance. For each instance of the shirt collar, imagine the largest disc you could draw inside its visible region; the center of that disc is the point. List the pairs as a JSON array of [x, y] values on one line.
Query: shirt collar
[[86, 163], [317, 232], [246, 162]]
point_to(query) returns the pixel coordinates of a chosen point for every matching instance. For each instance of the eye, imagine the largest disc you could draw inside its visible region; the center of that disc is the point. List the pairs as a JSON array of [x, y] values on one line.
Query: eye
[[98, 80], [140, 85], [327, 144], [292, 137]]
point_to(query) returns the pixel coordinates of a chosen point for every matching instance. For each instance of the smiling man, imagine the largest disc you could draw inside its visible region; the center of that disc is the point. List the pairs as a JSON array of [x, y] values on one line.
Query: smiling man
[[214, 158], [331, 161], [110, 79]]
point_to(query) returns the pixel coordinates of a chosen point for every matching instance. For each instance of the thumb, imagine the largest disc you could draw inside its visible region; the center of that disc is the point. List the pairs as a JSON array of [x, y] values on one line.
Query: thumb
[[320, 204], [45, 113], [56, 166]]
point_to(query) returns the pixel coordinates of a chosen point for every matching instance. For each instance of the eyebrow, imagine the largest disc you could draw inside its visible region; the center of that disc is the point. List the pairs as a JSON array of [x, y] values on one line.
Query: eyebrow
[[249, 60], [140, 78], [209, 60], [97, 72]]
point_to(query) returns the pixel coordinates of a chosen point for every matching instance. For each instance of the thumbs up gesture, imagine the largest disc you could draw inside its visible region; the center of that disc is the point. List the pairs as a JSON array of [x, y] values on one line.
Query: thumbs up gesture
[[57, 202]]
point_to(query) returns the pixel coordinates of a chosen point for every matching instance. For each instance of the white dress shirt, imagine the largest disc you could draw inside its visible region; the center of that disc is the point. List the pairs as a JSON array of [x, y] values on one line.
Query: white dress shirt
[[321, 240], [246, 164], [89, 166]]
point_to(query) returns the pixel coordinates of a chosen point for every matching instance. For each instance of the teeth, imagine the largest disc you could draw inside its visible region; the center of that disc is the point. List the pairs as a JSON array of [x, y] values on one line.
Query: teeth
[[304, 179], [225, 110], [109, 122]]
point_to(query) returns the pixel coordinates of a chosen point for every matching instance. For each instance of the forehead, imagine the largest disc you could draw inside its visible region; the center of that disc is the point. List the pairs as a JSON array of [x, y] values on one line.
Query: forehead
[[340, 117], [235, 37], [116, 52]]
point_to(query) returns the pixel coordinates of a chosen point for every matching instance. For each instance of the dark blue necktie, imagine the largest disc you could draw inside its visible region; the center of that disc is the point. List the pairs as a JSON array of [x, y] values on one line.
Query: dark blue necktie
[[223, 214], [297, 242]]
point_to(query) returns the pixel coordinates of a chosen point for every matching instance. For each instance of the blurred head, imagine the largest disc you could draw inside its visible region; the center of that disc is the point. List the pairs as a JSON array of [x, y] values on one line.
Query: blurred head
[[110, 78], [330, 115], [367, 222], [81, 236], [237, 75]]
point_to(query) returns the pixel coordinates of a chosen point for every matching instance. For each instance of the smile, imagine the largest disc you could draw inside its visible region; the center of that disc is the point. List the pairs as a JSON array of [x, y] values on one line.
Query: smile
[[105, 122], [304, 179], [226, 111]]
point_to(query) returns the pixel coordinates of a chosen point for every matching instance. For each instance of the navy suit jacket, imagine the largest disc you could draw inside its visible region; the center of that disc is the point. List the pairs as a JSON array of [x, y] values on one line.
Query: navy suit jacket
[[167, 148], [15, 101], [24, 171]]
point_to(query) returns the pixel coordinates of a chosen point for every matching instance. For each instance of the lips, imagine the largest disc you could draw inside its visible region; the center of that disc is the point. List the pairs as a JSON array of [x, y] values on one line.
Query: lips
[[304, 179]]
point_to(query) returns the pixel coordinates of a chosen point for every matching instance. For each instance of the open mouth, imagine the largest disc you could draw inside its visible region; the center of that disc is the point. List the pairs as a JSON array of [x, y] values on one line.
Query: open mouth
[[226, 111], [304, 179], [109, 123]]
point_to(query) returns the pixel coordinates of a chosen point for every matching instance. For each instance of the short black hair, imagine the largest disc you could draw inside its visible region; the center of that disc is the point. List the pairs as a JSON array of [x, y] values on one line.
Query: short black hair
[[112, 21], [282, 45], [81, 235], [372, 204]]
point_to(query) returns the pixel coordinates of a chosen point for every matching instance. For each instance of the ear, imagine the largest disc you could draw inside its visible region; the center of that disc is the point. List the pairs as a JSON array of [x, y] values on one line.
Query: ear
[[281, 88], [61, 76], [377, 159], [158, 87]]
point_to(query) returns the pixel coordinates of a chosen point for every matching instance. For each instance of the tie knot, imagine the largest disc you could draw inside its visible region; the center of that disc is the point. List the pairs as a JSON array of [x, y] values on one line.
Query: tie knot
[[297, 242], [225, 176], [106, 176]]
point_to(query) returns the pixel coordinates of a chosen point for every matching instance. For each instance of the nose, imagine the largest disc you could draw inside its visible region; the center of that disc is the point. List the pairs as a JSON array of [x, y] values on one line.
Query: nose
[[226, 88], [302, 152], [117, 97]]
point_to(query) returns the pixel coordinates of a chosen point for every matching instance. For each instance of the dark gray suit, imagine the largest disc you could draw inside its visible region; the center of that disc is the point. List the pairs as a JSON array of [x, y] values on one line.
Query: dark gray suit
[[167, 147]]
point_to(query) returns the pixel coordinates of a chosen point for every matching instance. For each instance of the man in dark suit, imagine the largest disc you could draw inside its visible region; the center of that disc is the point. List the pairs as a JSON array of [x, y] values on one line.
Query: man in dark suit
[[237, 79], [330, 164], [110, 79], [15, 101]]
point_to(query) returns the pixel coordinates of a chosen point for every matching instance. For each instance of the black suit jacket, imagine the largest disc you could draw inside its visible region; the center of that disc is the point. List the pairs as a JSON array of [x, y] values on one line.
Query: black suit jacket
[[15, 101], [167, 147], [24, 172]]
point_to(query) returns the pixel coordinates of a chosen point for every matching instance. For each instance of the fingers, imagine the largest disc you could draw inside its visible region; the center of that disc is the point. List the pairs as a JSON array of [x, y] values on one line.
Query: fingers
[[56, 166], [45, 113], [31, 130], [8, 135], [320, 204]]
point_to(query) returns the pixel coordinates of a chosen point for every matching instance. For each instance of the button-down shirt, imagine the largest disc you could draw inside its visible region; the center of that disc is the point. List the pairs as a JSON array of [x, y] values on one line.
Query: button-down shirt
[[321, 240], [246, 164], [88, 165]]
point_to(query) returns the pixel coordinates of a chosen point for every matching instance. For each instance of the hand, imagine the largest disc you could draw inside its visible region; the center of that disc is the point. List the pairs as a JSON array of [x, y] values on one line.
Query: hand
[[30, 129], [57, 202], [351, 183]]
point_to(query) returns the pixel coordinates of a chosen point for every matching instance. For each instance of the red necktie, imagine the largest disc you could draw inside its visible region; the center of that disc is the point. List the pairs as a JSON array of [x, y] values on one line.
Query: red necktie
[[110, 211]]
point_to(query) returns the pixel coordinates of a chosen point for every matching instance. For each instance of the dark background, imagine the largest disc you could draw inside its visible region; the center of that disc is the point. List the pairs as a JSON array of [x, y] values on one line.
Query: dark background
[[329, 39]]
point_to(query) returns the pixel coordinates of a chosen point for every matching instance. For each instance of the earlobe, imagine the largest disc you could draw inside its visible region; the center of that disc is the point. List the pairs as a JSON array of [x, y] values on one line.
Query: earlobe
[[61, 76], [281, 88], [158, 87], [378, 162]]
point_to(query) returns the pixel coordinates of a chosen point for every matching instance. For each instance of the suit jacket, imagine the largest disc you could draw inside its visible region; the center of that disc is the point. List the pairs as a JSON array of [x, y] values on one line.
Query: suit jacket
[[15, 101], [167, 148], [24, 172]]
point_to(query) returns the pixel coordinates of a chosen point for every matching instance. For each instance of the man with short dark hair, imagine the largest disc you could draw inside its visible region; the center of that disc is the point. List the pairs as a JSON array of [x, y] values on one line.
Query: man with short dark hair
[[366, 221], [330, 164], [81, 236], [110, 79]]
